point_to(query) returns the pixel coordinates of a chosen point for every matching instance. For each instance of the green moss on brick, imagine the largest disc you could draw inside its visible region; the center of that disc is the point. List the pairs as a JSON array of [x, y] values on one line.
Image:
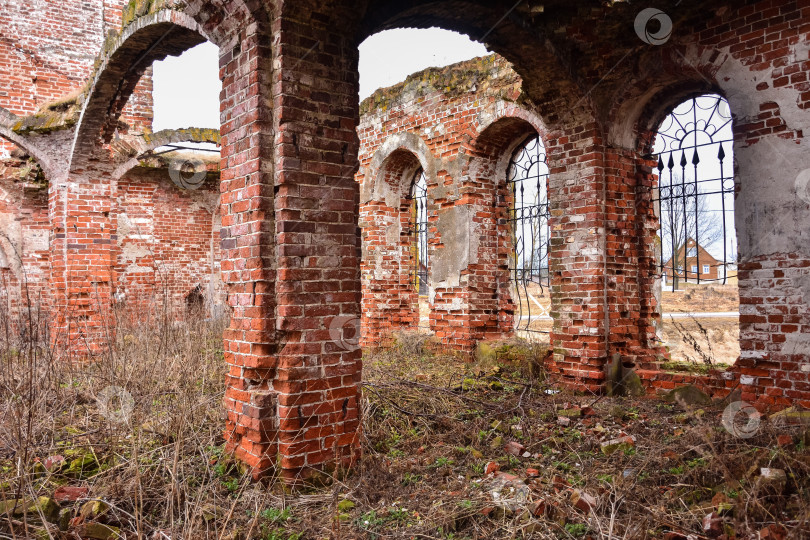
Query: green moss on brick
[[484, 72]]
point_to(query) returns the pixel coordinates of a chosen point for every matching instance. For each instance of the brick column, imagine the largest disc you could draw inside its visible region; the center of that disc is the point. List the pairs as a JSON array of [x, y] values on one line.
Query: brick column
[[577, 254], [82, 214], [451, 251], [248, 257], [291, 247], [479, 306], [318, 244], [630, 248]]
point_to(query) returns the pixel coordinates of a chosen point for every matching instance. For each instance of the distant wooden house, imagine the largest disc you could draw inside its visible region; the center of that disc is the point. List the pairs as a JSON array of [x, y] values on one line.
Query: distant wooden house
[[692, 262]]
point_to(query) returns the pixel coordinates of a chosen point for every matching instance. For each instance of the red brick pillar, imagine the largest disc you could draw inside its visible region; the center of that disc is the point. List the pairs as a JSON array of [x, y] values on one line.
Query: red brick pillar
[[83, 243], [602, 257], [577, 254], [450, 239], [248, 253], [318, 244], [479, 214], [630, 249], [291, 247]]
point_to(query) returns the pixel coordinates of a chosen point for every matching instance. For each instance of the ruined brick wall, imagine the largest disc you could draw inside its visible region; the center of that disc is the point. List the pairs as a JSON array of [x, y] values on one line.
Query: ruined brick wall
[[47, 53], [290, 201], [167, 243], [436, 120], [755, 55], [770, 40], [24, 249]]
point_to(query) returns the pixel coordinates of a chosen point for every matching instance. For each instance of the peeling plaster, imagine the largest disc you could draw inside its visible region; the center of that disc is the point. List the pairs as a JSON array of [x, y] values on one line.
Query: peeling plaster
[[459, 246]]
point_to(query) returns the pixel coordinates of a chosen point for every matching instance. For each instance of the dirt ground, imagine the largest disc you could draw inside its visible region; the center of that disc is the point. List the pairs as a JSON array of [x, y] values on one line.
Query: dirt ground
[[692, 340], [452, 449], [701, 298], [689, 298], [707, 341]]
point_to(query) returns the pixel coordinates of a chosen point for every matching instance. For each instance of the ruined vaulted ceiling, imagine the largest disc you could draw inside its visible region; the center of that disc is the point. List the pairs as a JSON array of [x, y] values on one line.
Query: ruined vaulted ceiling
[[560, 47]]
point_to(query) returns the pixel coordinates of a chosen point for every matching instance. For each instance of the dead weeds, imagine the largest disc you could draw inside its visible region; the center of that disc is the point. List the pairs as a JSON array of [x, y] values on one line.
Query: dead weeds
[[452, 449]]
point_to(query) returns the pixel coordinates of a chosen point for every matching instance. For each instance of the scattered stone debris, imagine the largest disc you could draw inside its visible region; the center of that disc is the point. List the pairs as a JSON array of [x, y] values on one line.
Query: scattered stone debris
[[622, 443], [508, 492], [70, 494], [689, 396]]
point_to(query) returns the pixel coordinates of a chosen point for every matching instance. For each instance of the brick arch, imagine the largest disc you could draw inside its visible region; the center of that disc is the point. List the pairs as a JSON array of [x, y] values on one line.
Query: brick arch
[[224, 22], [499, 135], [390, 302], [391, 154], [484, 172], [547, 78], [646, 100], [41, 157], [7, 121], [769, 111], [147, 39], [142, 144]]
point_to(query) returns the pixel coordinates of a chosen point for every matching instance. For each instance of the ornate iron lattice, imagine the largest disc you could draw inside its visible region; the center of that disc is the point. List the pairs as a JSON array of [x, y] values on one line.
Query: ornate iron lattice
[[419, 227], [527, 181], [695, 199]]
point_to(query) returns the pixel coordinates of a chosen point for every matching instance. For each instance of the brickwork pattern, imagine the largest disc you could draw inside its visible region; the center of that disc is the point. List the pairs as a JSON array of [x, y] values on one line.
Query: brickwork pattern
[[433, 120], [290, 202]]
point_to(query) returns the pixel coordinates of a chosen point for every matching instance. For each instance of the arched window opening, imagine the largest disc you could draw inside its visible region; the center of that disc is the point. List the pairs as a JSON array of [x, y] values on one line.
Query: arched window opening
[[419, 245], [527, 183], [186, 94], [696, 192], [186, 89], [169, 204], [697, 248]]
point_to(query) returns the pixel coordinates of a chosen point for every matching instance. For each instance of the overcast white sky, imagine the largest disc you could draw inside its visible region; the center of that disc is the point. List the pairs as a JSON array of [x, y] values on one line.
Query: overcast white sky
[[186, 88]]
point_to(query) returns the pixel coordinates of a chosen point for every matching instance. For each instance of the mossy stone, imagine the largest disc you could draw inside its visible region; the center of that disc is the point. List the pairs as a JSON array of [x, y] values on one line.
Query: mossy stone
[[689, 395]]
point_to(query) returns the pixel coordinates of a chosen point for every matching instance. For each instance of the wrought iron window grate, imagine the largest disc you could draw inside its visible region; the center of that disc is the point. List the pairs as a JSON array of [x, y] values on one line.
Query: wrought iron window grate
[[527, 182], [419, 227], [695, 196]]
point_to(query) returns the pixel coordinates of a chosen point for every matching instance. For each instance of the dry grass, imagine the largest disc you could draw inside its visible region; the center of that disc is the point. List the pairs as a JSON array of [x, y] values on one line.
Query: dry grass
[[431, 424], [703, 341]]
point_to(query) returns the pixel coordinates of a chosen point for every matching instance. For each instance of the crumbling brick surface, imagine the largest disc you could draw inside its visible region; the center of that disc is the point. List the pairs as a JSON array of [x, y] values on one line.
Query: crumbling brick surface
[[24, 248], [165, 246], [434, 121], [168, 243], [592, 83], [49, 63]]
